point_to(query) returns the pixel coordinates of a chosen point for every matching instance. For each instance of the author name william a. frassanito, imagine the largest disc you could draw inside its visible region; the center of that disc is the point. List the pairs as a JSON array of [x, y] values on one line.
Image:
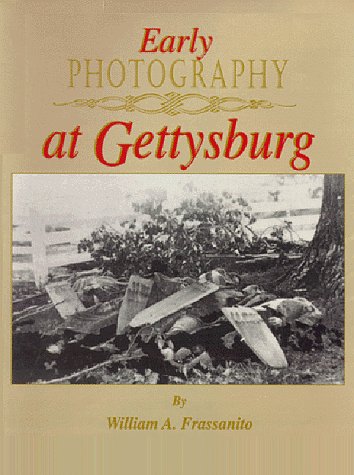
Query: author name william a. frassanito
[[133, 423]]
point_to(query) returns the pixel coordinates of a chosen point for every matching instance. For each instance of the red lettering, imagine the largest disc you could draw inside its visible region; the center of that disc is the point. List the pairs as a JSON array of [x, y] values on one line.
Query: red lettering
[[232, 136], [74, 137], [263, 150], [214, 145], [58, 151], [149, 39], [124, 147], [144, 139]]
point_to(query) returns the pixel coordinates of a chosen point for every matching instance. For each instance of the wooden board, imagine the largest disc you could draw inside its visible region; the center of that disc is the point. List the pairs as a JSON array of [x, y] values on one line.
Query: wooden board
[[135, 299], [257, 335], [93, 319], [64, 298], [172, 304]]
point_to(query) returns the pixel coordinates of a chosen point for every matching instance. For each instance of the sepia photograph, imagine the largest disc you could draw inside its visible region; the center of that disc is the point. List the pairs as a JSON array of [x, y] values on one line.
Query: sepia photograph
[[178, 279]]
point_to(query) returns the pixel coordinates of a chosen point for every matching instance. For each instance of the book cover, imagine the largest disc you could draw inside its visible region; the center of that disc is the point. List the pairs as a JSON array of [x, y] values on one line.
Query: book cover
[[176, 215]]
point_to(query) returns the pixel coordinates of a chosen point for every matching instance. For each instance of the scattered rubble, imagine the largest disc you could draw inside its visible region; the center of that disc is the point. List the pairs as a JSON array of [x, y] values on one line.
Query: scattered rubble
[[297, 309], [156, 320]]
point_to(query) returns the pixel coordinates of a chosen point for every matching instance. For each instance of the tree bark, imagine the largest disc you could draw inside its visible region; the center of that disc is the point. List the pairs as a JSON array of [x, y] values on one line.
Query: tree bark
[[322, 265]]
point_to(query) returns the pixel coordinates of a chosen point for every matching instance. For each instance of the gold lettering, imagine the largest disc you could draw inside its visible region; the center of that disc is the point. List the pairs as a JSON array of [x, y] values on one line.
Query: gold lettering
[[74, 72], [218, 75], [93, 73], [238, 73], [136, 70], [109, 77], [163, 73], [263, 73], [172, 74], [197, 73], [279, 71]]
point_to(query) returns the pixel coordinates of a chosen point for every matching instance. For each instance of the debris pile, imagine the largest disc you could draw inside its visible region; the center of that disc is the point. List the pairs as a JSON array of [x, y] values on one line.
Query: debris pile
[[162, 325]]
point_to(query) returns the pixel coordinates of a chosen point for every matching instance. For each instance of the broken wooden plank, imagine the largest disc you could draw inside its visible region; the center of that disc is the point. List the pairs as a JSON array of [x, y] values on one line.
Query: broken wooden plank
[[163, 287], [257, 335], [30, 312], [172, 304], [93, 319], [44, 320], [135, 299], [35, 299], [64, 298]]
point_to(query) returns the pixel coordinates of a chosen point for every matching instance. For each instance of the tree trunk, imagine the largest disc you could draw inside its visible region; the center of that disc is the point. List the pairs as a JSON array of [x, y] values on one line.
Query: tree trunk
[[322, 265]]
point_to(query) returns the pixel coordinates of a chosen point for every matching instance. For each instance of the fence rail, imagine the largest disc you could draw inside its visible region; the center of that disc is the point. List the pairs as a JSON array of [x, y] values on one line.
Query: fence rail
[[35, 249]]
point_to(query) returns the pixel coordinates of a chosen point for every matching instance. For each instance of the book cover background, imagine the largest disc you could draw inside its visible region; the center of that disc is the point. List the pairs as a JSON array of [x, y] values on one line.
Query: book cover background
[[63, 429]]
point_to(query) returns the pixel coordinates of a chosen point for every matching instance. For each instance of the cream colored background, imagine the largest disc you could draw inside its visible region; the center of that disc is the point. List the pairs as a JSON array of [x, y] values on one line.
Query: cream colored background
[[62, 429]]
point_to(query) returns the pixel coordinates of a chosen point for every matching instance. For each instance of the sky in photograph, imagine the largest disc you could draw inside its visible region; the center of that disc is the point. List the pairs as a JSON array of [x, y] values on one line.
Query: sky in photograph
[[92, 196]]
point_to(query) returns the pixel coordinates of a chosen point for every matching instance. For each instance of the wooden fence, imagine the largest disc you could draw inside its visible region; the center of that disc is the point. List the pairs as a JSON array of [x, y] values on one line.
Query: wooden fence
[[37, 247], [302, 216]]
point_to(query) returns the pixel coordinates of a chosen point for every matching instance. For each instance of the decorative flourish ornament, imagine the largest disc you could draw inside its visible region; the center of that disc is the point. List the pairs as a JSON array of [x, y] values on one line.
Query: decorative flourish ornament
[[173, 103]]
